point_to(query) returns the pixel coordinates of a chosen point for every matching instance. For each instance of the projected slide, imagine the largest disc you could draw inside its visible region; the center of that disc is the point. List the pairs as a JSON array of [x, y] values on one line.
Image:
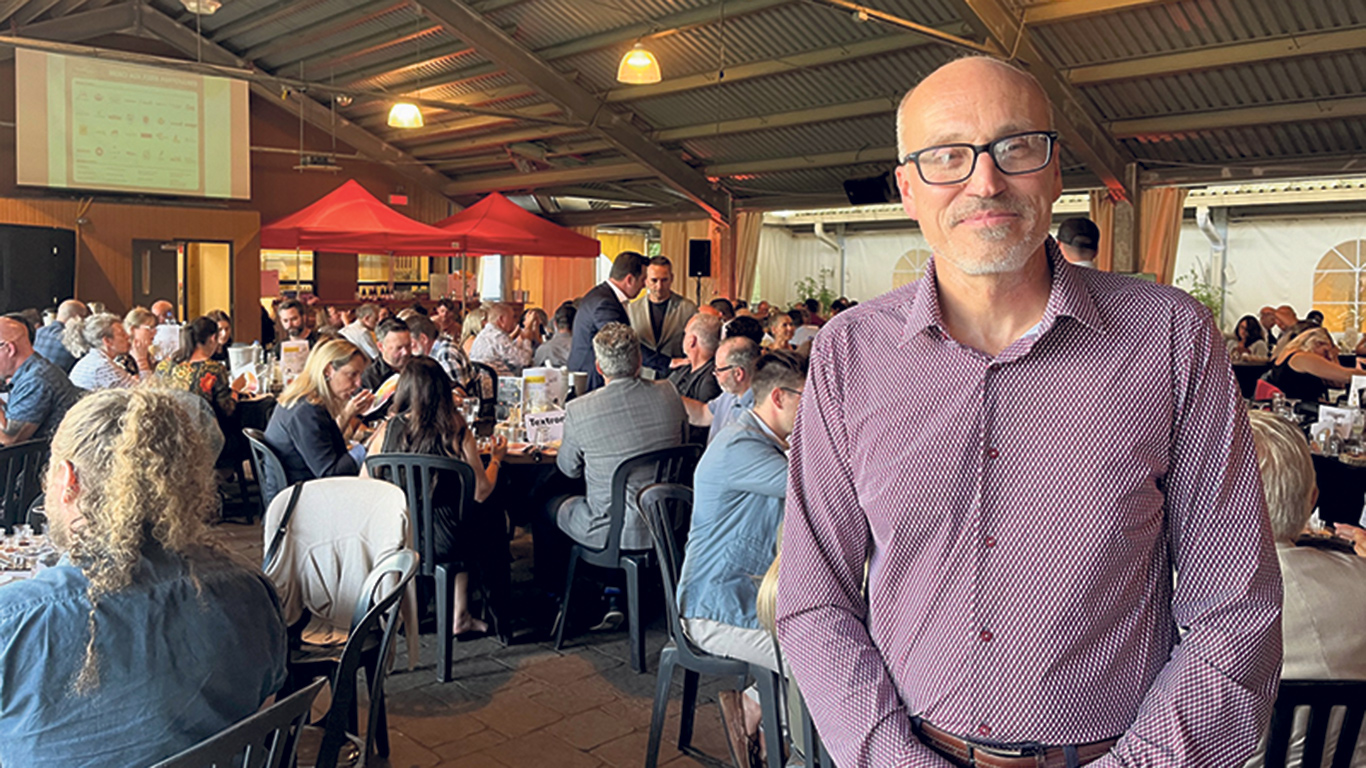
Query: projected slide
[[94, 124]]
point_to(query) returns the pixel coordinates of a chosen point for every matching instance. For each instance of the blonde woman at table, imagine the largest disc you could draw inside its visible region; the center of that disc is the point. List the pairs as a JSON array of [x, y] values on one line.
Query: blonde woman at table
[[318, 413], [1308, 366], [423, 419]]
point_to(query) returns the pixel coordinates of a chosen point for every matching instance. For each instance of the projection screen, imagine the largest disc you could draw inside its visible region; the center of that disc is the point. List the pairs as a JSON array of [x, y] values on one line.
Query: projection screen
[[102, 125]]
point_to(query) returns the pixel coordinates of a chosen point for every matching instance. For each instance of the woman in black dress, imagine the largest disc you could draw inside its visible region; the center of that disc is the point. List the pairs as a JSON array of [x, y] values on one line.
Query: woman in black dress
[[424, 419]]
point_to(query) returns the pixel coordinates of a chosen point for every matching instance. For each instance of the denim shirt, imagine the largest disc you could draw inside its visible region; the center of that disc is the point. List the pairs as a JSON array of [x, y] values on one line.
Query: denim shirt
[[739, 490], [40, 393], [177, 663]]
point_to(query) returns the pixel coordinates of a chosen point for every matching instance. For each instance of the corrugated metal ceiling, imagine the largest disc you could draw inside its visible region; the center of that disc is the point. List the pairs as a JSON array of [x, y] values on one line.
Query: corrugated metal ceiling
[[377, 46]]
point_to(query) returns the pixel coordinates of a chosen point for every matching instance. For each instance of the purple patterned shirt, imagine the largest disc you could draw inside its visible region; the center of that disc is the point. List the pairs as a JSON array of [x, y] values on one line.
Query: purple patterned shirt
[[1022, 517]]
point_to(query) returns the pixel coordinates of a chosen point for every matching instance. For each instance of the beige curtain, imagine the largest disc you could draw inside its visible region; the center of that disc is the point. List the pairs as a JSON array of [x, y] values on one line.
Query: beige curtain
[[1103, 214], [673, 244], [748, 225], [1161, 210]]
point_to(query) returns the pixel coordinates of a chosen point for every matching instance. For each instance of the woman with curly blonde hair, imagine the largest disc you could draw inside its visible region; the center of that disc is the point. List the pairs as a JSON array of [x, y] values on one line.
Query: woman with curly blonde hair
[[142, 614]]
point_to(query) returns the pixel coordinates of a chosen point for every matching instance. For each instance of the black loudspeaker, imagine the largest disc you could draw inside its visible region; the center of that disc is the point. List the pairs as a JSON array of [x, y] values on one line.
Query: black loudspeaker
[[37, 267], [699, 258], [871, 190]]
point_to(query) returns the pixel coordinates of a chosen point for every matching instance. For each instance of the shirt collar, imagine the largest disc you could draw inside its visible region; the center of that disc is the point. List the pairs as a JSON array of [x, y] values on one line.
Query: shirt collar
[[621, 295], [1068, 296], [758, 422]]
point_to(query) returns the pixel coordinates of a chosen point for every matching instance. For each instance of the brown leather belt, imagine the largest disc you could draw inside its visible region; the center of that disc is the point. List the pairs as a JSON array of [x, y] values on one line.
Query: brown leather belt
[[972, 754]]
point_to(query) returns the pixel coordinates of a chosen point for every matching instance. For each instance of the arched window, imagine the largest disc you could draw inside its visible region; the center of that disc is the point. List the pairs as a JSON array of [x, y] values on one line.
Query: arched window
[[910, 267], [1339, 291]]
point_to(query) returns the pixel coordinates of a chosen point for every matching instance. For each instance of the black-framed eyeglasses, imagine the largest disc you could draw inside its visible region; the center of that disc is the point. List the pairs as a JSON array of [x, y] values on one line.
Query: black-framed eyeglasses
[[720, 369], [1014, 155], [791, 391]]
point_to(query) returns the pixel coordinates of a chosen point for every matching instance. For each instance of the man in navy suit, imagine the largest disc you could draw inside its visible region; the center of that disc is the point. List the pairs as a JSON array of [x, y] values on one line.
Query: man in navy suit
[[606, 303]]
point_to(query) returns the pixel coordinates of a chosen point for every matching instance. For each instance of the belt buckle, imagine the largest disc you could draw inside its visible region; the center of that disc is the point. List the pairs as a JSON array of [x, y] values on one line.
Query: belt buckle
[[1021, 750]]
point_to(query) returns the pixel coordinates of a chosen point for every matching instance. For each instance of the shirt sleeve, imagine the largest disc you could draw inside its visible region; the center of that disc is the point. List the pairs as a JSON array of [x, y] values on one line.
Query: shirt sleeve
[[759, 469], [317, 439], [570, 458], [1211, 702], [821, 609], [30, 400]]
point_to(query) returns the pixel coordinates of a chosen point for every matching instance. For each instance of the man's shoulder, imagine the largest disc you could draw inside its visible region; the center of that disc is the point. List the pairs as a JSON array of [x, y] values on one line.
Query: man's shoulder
[[51, 589], [1123, 293]]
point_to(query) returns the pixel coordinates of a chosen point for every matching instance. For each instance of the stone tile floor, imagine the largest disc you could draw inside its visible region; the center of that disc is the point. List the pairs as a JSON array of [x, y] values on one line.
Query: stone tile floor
[[528, 704]]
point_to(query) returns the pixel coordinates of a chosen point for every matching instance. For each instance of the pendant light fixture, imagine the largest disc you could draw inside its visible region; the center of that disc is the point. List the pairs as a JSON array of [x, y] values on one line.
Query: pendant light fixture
[[638, 67], [406, 114]]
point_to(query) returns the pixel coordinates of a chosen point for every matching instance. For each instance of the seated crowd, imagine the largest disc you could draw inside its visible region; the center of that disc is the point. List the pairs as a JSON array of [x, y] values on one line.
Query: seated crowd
[[134, 543], [662, 372]]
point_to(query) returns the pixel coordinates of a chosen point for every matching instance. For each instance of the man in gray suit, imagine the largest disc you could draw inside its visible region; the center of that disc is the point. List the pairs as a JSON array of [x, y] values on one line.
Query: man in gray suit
[[660, 318], [625, 418]]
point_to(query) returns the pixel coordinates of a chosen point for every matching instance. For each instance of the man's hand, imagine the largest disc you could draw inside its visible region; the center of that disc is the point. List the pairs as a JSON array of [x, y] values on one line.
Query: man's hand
[[678, 362], [1353, 534]]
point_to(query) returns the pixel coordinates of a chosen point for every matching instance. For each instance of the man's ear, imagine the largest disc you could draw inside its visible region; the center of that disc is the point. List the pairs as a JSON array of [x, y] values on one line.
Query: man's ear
[[599, 368]]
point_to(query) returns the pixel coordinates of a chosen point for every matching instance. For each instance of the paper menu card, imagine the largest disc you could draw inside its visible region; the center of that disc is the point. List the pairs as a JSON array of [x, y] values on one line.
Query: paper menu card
[[166, 339], [293, 358], [1340, 418], [542, 386], [1354, 390], [544, 427]]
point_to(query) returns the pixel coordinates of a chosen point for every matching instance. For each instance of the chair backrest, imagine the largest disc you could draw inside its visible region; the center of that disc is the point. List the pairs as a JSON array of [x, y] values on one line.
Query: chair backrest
[[668, 508], [1320, 696], [417, 475], [1264, 390], [376, 610], [341, 527], [668, 465], [21, 480], [267, 739], [270, 473]]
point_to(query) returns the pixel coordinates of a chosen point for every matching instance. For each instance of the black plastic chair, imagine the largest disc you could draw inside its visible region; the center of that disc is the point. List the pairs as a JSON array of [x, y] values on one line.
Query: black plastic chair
[[21, 479], [670, 465], [267, 739], [416, 474], [1320, 696], [371, 637], [667, 508], [266, 466]]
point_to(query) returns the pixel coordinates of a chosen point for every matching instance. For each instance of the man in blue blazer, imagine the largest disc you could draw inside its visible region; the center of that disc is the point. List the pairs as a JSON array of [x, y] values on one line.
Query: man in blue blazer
[[606, 303]]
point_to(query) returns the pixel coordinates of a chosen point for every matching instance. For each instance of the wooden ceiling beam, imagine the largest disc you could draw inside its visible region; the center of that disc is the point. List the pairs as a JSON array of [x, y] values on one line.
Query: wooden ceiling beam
[[1243, 117], [578, 104], [77, 27], [185, 40], [1072, 10], [1249, 52], [1083, 134]]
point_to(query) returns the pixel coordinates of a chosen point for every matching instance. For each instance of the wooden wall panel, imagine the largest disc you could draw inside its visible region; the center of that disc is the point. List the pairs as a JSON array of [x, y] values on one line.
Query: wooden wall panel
[[104, 246]]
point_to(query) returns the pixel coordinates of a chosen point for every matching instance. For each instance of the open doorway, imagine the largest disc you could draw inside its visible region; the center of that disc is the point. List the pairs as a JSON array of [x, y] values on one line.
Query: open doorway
[[194, 275]]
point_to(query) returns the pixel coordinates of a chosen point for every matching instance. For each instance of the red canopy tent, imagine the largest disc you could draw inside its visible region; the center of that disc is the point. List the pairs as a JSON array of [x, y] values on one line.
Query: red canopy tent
[[350, 220], [498, 225]]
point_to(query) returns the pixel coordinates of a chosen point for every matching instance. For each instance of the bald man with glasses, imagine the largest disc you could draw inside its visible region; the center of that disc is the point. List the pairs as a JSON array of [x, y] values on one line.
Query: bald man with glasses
[[984, 516], [39, 393]]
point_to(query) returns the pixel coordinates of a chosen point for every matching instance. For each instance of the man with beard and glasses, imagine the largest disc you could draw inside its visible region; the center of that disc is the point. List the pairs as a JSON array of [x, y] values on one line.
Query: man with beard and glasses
[[1022, 528]]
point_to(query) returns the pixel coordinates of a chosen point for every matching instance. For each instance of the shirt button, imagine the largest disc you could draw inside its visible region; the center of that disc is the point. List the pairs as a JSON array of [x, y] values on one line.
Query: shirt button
[[984, 729], [992, 453], [989, 541], [985, 635]]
